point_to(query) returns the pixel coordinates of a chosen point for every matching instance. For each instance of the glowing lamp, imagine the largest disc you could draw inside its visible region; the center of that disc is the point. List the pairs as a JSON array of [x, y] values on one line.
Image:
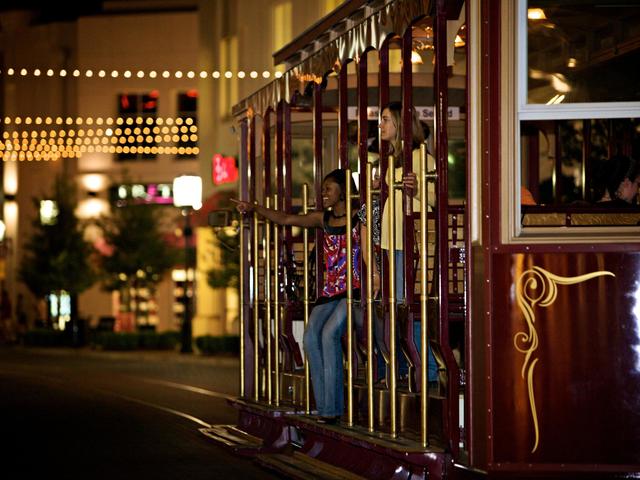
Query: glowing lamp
[[187, 191]]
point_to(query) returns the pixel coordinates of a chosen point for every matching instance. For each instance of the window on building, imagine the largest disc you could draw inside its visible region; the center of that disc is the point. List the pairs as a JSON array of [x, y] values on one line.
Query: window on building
[[135, 135], [577, 106], [329, 6], [141, 193], [188, 129], [281, 27], [228, 59]]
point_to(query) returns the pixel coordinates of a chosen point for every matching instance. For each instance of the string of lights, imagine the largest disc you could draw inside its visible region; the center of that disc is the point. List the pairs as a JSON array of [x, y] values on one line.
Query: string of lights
[[147, 120], [131, 139], [54, 152], [16, 143], [134, 135], [103, 73], [100, 132]]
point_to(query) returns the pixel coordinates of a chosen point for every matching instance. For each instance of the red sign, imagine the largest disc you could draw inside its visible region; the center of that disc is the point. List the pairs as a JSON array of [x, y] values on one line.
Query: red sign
[[223, 169]]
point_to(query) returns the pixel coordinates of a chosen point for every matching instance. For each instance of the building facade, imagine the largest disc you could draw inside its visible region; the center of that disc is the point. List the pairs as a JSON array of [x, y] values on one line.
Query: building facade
[[173, 70]]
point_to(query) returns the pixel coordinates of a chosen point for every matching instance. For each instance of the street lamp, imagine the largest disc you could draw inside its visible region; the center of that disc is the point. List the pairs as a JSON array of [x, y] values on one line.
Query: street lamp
[[187, 195], [48, 212]]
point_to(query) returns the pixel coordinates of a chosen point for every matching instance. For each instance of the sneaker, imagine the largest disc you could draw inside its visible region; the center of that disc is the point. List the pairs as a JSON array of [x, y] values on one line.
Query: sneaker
[[382, 382], [327, 420]]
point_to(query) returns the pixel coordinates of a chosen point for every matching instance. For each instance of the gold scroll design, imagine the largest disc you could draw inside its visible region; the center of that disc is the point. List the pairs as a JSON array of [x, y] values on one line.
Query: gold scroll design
[[528, 295]]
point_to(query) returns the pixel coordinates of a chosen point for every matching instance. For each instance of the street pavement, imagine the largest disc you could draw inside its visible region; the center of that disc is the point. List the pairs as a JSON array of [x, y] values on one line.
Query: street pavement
[[85, 414]]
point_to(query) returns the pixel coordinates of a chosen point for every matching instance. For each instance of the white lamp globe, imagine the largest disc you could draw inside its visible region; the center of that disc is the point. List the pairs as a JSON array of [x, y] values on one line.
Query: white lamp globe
[[187, 191]]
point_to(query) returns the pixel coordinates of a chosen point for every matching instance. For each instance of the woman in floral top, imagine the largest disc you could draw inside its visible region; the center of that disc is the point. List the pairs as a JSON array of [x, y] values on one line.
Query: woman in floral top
[[327, 322]]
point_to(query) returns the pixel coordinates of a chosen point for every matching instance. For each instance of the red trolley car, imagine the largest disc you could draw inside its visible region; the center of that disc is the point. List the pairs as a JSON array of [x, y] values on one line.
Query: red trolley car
[[524, 285]]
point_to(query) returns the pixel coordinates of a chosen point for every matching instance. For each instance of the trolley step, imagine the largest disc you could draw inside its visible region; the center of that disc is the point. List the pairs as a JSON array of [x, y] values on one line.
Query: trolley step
[[303, 467], [232, 437]]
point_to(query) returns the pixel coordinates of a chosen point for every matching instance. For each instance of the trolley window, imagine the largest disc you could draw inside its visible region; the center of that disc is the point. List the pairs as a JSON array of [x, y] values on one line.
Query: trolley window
[[578, 109]]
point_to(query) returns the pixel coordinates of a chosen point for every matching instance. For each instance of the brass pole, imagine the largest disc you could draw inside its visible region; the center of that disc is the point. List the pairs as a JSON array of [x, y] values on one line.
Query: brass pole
[[276, 304], [305, 299], [267, 297], [424, 299], [391, 202], [349, 300], [369, 260], [256, 319], [242, 347]]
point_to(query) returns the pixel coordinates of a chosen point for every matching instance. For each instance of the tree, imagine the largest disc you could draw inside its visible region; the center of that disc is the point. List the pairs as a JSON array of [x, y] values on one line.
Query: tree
[[227, 240], [138, 254], [229, 273], [57, 258]]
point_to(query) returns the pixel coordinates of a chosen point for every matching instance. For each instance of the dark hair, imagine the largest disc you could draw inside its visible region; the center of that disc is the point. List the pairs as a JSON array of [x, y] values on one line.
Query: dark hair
[[616, 170], [426, 131], [339, 176]]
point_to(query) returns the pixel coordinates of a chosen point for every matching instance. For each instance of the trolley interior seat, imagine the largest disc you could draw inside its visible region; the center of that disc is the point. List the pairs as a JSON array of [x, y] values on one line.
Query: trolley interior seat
[[293, 309]]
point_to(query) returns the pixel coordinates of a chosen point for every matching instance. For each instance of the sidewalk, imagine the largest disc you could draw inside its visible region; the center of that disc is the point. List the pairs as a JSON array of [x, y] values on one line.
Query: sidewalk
[[168, 356]]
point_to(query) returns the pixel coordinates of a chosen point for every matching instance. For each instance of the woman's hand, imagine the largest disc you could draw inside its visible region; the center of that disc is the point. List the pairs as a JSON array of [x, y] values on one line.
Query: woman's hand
[[375, 178], [410, 184], [376, 284], [242, 206]]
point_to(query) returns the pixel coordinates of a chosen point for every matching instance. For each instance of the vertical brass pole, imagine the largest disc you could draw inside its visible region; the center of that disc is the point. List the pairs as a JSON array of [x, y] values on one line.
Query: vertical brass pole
[[256, 318], [349, 300], [242, 346], [424, 299], [267, 298], [276, 305], [369, 260], [391, 202], [305, 299]]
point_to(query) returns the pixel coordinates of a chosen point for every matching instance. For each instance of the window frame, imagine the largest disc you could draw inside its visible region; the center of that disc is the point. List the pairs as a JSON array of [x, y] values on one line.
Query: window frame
[[516, 108], [560, 111], [138, 157], [184, 114]]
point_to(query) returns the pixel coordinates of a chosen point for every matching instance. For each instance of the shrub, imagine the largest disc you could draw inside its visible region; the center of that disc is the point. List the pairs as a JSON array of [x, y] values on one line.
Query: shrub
[[158, 341], [212, 345], [44, 337], [116, 341], [134, 341]]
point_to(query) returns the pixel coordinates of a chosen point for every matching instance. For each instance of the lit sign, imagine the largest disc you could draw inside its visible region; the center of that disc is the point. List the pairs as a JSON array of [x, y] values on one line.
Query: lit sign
[[158, 193], [424, 113], [223, 169]]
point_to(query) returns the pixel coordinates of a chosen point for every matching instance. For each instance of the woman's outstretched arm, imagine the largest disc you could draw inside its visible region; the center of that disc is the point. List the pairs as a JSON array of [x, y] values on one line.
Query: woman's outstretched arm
[[309, 220]]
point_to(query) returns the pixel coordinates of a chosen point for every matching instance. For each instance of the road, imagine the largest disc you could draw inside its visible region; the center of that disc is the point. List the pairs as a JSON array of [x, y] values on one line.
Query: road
[[82, 414]]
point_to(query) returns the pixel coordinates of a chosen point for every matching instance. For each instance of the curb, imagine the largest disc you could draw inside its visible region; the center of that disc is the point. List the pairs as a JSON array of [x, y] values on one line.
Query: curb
[[137, 355]]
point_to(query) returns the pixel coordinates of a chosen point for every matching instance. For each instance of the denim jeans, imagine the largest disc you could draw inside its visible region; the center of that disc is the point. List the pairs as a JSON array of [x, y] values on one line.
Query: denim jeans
[[322, 344], [399, 257], [403, 366]]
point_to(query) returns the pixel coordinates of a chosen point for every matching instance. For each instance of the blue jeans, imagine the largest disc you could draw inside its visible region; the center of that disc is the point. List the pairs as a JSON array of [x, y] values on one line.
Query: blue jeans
[[399, 257], [403, 367], [322, 344]]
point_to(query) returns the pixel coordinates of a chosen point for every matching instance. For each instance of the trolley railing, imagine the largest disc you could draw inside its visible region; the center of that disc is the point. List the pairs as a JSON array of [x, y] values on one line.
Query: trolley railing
[[266, 310]]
